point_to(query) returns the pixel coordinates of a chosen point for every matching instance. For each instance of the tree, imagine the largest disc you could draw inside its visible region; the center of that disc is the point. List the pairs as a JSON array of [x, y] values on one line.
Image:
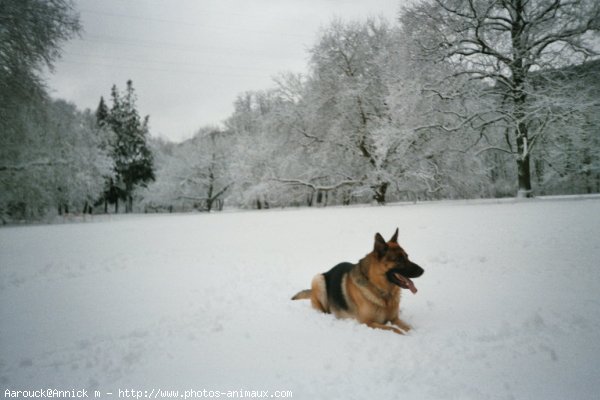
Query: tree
[[257, 147], [568, 160], [102, 113], [77, 180], [31, 32], [59, 166], [363, 107], [163, 193], [348, 65], [505, 45], [133, 159], [194, 174], [111, 192], [205, 179]]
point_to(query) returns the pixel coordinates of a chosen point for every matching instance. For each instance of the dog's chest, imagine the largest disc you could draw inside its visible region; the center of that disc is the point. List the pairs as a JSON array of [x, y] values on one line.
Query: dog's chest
[[387, 311], [374, 305]]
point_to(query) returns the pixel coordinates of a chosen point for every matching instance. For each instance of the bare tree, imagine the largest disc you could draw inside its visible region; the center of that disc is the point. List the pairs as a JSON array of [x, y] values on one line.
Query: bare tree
[[506, 45]]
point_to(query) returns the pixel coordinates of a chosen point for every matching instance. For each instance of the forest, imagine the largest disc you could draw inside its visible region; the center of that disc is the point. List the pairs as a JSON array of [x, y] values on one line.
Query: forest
[[451, 99]]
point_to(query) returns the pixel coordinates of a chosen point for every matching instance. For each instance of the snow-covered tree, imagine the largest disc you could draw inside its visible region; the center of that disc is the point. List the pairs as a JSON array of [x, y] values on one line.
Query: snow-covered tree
[[506, 45], [256, 148], [78, 179], [348, 73], [31, 33], [567, 158], [194, 174], [59, 165]]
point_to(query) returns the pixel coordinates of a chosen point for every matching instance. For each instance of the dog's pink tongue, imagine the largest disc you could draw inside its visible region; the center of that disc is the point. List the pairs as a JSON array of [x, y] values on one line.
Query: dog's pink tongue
[[407, 282], [411, 286]]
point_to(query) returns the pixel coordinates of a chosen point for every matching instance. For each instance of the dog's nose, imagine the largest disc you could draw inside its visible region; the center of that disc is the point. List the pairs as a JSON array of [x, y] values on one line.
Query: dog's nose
[[418, 271]]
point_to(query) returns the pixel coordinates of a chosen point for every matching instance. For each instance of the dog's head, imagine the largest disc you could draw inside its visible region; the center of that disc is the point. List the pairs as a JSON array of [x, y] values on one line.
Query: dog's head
[[393, 262]]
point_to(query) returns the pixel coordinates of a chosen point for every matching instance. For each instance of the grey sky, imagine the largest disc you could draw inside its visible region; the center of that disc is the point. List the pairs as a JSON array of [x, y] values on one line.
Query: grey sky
[[189, 59]]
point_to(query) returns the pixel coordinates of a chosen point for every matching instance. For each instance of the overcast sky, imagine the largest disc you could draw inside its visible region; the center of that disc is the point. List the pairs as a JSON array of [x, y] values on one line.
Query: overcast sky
[[189, 59]]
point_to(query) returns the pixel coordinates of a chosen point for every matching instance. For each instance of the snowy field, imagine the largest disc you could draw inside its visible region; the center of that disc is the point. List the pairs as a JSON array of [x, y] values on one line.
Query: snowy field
[[508, 307]]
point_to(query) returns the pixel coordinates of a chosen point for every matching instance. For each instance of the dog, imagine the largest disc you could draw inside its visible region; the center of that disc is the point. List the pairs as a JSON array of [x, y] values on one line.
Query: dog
[[368, 291]]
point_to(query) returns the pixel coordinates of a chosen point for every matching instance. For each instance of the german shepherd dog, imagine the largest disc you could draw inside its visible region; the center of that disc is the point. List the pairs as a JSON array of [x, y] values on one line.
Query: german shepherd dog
[[368, 291]]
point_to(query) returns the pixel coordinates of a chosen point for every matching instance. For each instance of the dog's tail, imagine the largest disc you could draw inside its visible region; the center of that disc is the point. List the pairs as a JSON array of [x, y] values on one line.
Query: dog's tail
[[302, 295]]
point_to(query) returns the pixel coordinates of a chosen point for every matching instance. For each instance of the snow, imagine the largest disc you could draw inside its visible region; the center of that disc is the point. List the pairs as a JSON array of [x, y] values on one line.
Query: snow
[[508, 307]]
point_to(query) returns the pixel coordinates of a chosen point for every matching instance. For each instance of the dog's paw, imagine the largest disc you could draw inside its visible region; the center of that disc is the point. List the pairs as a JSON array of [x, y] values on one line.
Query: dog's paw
[[402, 325]]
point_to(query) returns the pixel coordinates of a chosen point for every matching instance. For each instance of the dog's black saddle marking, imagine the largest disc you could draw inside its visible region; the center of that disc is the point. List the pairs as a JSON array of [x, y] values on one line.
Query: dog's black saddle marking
[[333, 282]]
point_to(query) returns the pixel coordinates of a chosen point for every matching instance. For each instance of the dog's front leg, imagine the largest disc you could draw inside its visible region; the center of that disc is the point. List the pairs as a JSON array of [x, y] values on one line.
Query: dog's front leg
[[376, 325], [401, 324]]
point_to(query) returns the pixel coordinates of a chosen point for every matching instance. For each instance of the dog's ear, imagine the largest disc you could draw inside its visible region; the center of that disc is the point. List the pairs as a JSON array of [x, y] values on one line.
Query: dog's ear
[[395, 237], [380, 245]]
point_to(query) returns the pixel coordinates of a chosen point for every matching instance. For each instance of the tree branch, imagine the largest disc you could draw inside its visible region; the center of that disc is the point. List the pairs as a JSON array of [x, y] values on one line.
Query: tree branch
[[315, 187], [33, 164]]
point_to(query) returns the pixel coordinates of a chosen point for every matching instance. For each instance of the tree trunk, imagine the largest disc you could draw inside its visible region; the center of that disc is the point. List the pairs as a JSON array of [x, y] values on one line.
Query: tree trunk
[[128, 198], [211, 182], [380, 192], [117, 205], [523, 159], [519, 74], [524, 173], [319, 197]]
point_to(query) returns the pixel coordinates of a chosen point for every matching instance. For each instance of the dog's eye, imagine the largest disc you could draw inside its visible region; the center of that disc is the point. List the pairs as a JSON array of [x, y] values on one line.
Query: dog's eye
[[396, 258]]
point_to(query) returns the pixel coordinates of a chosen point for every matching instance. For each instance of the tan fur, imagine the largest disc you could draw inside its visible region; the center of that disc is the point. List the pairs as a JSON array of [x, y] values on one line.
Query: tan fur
[[302, 295], [318, 297]]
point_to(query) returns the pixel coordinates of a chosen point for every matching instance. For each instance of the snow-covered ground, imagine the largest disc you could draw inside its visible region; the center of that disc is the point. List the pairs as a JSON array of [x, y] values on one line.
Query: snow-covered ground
[[508, 307]]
